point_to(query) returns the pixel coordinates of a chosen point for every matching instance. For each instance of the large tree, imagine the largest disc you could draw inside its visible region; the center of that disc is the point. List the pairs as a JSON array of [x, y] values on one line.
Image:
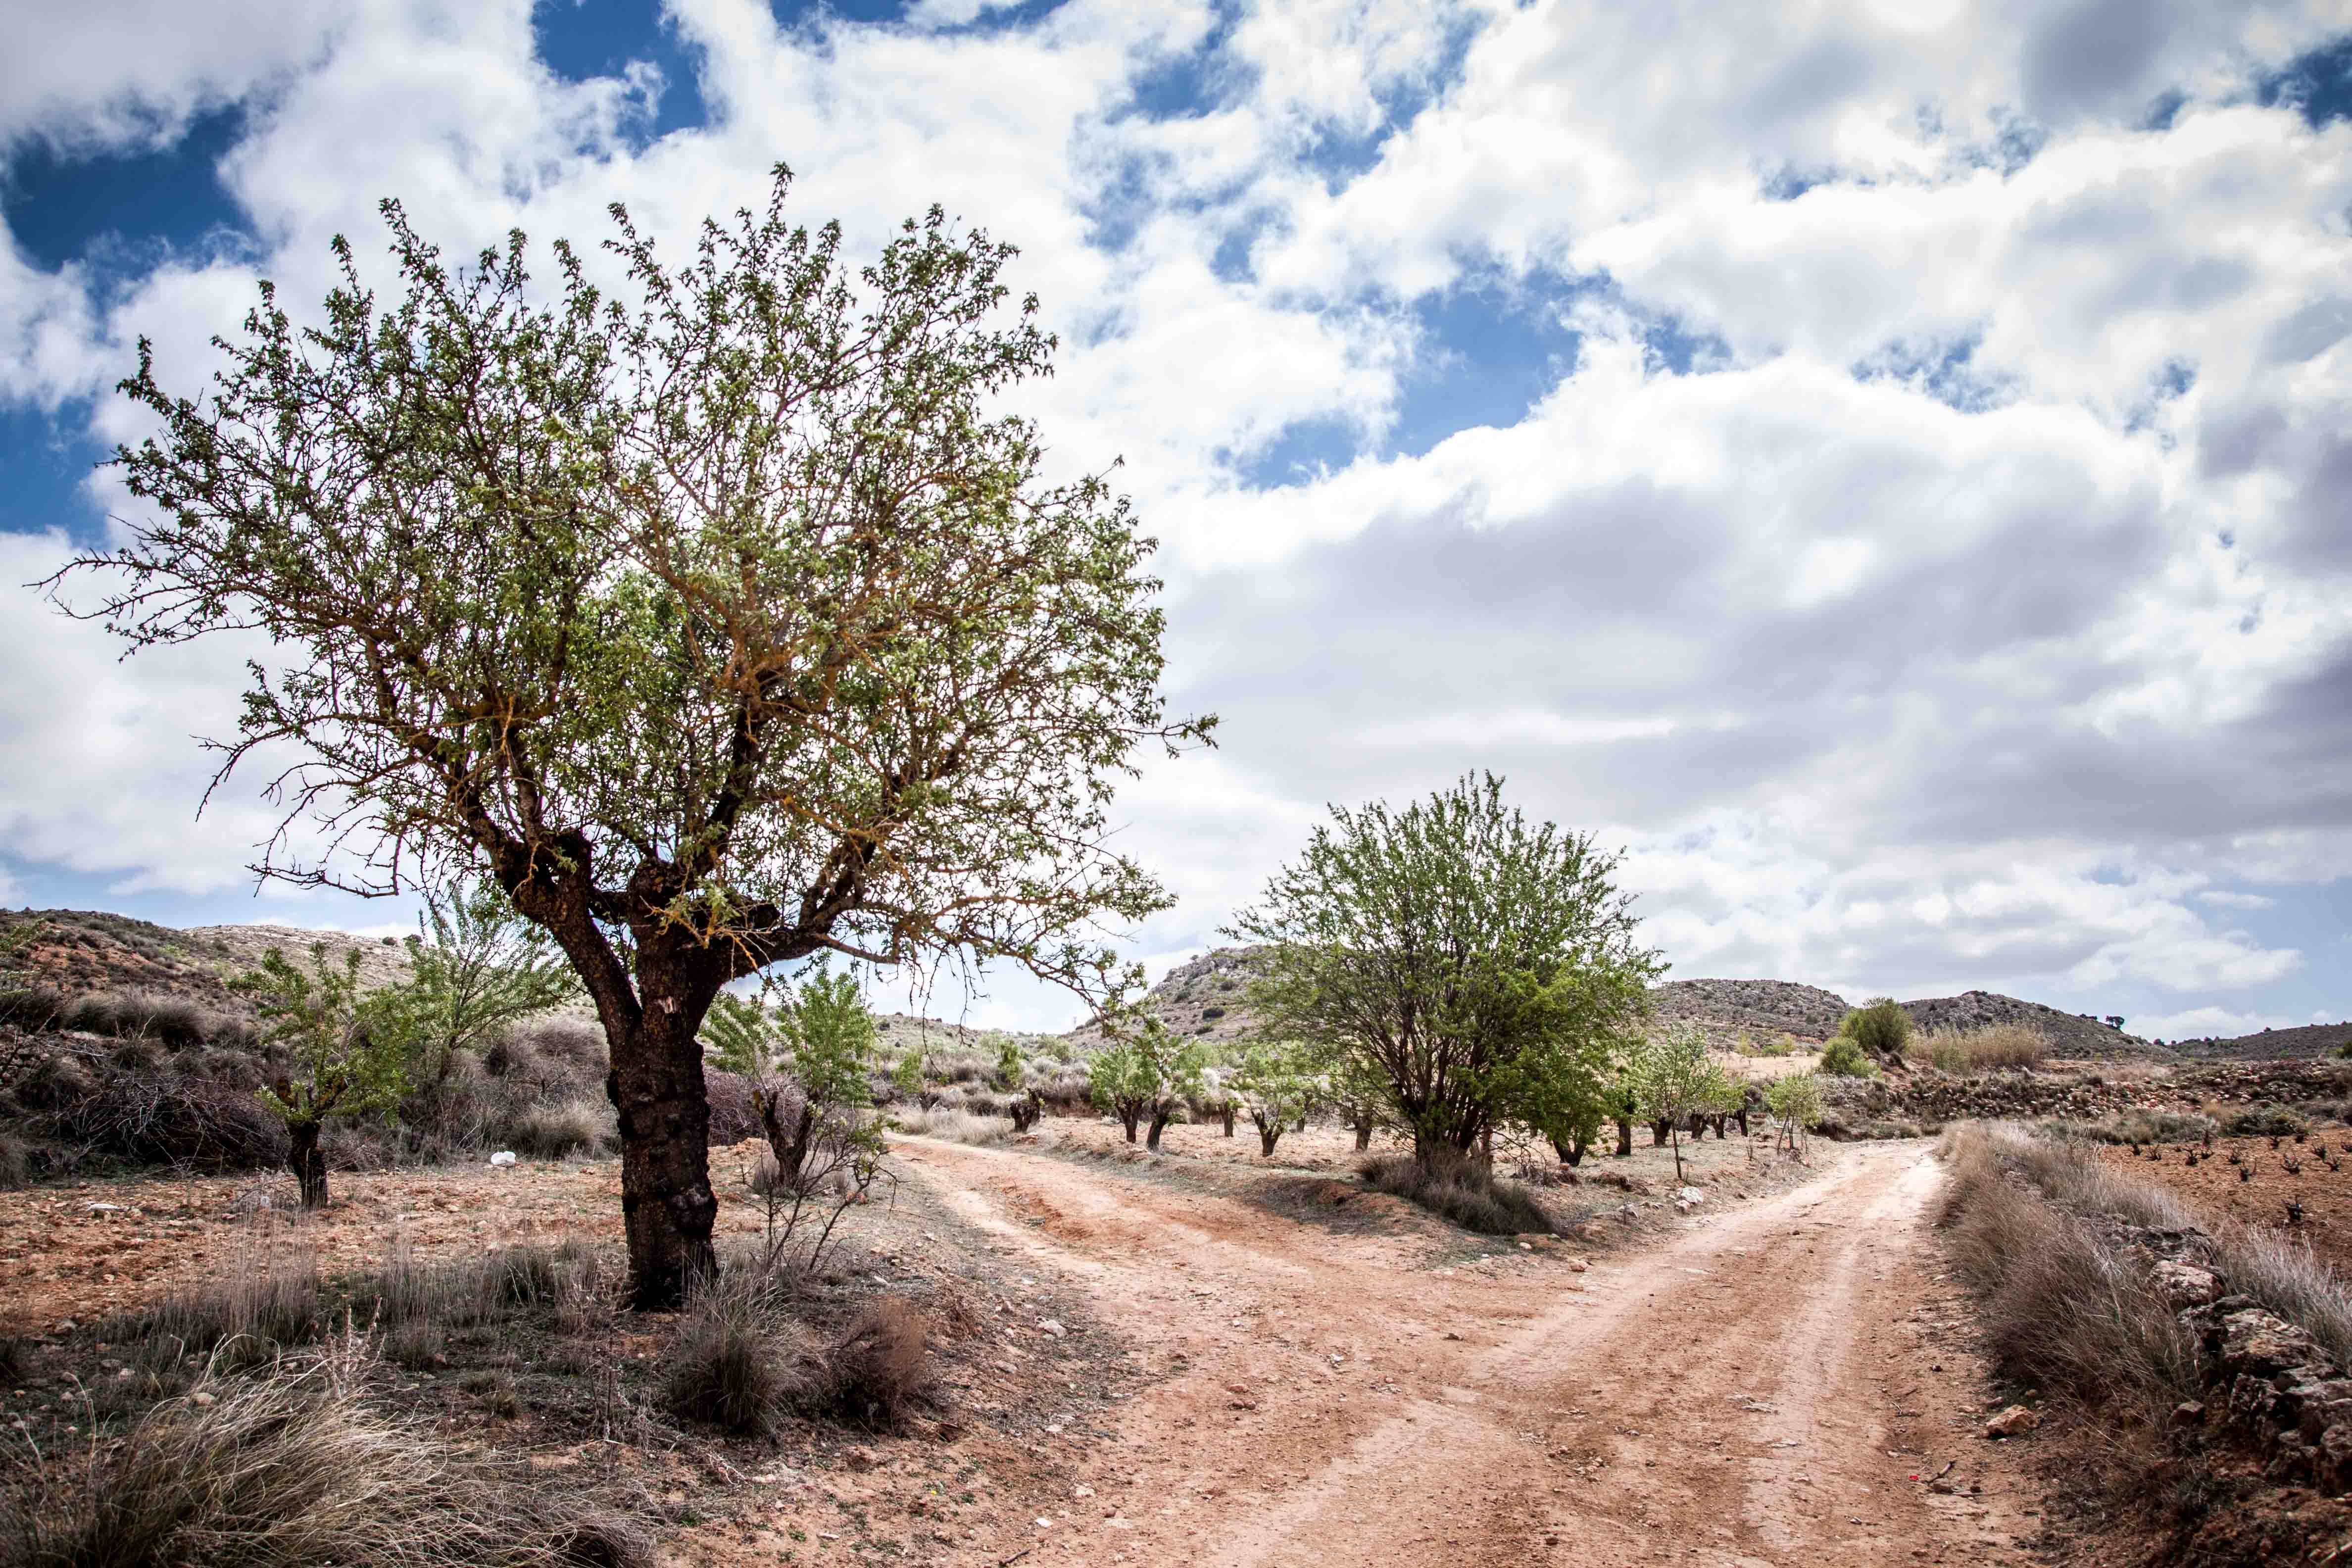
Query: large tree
[[719, 619], [1476, 968]]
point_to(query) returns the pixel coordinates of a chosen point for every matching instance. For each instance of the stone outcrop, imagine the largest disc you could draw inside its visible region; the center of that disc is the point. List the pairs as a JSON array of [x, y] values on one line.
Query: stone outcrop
[[2271, 1382]]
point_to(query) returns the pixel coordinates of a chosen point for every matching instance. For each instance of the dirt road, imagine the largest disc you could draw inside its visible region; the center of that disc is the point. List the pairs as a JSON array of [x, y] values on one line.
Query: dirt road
[[1782, 1383]]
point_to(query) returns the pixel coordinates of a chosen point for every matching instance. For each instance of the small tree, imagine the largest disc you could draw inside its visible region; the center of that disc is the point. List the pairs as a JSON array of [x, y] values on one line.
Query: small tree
[[16, 1053], [341, 1061], [1146, 1076], [1880, 1027], [808, 1060], [1274, 1083], [1008, 1063], [474, 967], [1463, 955], [1678, 1077], [1622, 1103], [1796, 1105]]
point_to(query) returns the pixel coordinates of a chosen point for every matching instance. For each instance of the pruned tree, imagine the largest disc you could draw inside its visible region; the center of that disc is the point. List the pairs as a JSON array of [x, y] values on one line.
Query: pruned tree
[[1459, 955], [475, 968], [808, 1057], [1144, 1076], [1677, 1076], [1274, 1084], [341, 1062], [1622, 1102], [718, 620]]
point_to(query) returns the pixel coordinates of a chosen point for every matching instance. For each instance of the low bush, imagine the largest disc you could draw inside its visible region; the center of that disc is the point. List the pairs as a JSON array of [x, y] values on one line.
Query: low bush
[[15, 1163], [2262, 1120], [1881, 1027], [2143, 1126], [250, 1316], [1461, 1189], [2064, 1308], [579, 1126], [295, 1469], [875, 1373], [1992, 1048], [1843, 1058]]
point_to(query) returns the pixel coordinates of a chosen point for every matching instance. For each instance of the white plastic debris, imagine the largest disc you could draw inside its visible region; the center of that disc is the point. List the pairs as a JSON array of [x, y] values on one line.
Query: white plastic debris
[[503, 1157]]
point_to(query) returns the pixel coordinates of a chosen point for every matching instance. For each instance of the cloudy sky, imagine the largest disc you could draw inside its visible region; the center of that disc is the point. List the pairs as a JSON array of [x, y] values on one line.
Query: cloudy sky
[[1887, 463]]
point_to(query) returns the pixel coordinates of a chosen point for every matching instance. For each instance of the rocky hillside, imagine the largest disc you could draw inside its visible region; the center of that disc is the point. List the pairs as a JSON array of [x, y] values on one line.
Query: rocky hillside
[[2274, 1045], [1760, 1009], [1199, 999]]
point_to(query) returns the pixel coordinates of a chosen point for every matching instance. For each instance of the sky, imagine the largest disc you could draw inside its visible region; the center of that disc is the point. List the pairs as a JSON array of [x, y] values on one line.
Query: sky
[[1884, 464]]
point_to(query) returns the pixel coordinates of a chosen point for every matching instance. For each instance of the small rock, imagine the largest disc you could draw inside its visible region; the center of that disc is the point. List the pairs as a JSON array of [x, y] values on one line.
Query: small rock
[[503, 1157], [1082, 1491], [1689, 1196], [2183, 1284], [860, 1459], [1048, 1326], [1578, 1266], [2189, 1413], [2013, 1421]]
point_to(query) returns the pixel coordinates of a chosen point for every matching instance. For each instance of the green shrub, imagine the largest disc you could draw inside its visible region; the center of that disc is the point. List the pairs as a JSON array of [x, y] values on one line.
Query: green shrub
[[1459, 1189], [1880, 1027], [1843, 1058], [2262, 1120]]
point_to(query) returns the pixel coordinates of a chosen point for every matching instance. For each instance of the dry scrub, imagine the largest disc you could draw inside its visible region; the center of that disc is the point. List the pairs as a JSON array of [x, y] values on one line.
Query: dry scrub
[[1990, 1049], [290, 1469], [1461, 1190]]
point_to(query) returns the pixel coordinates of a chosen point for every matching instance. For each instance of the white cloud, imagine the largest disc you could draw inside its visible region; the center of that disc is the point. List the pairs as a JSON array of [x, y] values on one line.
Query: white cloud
[[1999, 668]]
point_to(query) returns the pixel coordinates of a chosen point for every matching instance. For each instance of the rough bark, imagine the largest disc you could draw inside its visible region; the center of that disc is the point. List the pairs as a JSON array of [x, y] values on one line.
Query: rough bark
[[1269, 1133], [1659, 1129], [1130, 1120], [1160, 1122], [1227, 1114], [309, 1166], [1624, 1138], [1363, 1136], [667, 1207]]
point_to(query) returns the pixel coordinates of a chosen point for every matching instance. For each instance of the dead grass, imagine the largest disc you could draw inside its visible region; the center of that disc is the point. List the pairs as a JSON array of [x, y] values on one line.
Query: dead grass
[[1993, 1047], [261, 1308], [2061, 1308], [292, 1469], [728, 1363], [955, 1124], [1460, 1189], [877, 1371]]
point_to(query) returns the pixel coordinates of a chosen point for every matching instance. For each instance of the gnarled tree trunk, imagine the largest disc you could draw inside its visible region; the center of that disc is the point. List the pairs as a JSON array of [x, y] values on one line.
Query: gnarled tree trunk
[[1269, 1133], [667, 1207], [1624, 1138], [309, 1166]]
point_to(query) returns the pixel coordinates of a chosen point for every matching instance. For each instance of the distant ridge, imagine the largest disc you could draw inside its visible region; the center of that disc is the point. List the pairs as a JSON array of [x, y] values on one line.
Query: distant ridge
[[2310, 1041]]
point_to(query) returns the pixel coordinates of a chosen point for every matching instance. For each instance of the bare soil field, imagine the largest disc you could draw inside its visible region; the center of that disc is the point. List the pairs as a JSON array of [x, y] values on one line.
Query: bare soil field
[[2215, 1186], [1203, 1356]]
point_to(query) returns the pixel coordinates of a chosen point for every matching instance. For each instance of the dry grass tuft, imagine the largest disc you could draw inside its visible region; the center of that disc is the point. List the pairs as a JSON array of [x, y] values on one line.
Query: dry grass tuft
[[877, 1371], [1990, 1049], [1461, 1189], [726, 1363], [955, 1124], [294, 1470], [247, 1317]]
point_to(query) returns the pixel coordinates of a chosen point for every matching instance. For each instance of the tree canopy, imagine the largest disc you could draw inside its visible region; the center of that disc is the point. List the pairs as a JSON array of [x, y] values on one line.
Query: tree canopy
[[720, 620], [1479, 969]]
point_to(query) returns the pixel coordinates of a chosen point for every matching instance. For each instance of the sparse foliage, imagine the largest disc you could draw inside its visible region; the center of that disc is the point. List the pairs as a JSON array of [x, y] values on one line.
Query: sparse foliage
[[1842, 1056], [343, 1062], [474, 967], [719, 621], [1274, 1084], [1675, 1078], [1795, 1102]]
